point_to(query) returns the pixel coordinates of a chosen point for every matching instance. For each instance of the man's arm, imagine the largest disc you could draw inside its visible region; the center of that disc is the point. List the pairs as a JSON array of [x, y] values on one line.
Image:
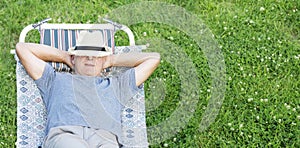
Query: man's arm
[[33, 57], [143, 63]]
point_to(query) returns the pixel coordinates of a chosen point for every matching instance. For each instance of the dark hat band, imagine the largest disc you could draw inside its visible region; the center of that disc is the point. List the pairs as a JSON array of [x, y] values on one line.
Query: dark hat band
[[90, 48]]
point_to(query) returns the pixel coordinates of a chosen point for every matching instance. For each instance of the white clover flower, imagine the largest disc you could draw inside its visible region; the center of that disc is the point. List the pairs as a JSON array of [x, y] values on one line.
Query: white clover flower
[[250, 99], [241, 125], [144, 33], [262, 9], [294, 10], [278, 65], [166, 145], [229, 124]]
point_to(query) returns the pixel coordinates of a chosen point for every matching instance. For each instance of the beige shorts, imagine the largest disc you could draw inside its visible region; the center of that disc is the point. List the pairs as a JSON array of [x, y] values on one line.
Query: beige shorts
[[79, 137]]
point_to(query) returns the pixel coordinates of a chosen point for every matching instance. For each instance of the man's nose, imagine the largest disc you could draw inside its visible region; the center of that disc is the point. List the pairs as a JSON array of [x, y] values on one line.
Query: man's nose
[[90, 57]]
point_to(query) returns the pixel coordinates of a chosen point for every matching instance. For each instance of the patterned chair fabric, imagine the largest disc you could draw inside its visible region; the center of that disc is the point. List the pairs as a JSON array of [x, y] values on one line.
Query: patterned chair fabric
[[31, 114]]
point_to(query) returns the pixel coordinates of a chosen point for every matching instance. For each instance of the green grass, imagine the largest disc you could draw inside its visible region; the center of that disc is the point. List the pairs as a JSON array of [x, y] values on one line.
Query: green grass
[[260, 41]]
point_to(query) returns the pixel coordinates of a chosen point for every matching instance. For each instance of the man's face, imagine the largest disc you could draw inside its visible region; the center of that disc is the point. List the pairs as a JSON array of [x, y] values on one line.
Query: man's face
[[87, 65]]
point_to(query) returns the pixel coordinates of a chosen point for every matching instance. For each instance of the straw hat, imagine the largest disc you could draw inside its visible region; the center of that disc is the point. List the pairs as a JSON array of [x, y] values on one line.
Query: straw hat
[[90, 43]]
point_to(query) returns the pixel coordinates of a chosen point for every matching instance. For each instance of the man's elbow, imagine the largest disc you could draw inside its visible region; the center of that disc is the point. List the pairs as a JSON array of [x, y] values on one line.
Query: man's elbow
[[22, 50], [156, 56], [156, 59], [20, 47]]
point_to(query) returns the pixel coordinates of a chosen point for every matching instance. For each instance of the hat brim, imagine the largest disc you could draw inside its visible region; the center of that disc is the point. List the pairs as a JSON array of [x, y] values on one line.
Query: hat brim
[[89, 53]]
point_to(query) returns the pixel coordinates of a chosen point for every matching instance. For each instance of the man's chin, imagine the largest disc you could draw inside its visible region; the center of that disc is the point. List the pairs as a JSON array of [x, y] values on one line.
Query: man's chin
[[91, 74]]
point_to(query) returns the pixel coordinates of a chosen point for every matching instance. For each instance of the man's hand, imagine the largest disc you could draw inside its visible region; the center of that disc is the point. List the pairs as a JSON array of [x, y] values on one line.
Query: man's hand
[[68, 60]]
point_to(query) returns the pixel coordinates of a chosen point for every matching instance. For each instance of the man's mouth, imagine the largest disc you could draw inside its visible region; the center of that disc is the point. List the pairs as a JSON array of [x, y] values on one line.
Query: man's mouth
[[90, 65]]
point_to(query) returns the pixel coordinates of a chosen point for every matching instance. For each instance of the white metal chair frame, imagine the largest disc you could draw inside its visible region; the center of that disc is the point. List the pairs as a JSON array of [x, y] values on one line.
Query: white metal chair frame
[[110, 25]]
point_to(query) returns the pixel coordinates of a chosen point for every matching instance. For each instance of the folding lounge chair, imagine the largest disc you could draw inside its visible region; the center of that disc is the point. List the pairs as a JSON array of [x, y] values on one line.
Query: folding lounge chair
[[31, 115]]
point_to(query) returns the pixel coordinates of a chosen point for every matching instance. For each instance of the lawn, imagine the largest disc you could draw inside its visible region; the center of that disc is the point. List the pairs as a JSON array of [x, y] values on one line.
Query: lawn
[[258, 50]]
